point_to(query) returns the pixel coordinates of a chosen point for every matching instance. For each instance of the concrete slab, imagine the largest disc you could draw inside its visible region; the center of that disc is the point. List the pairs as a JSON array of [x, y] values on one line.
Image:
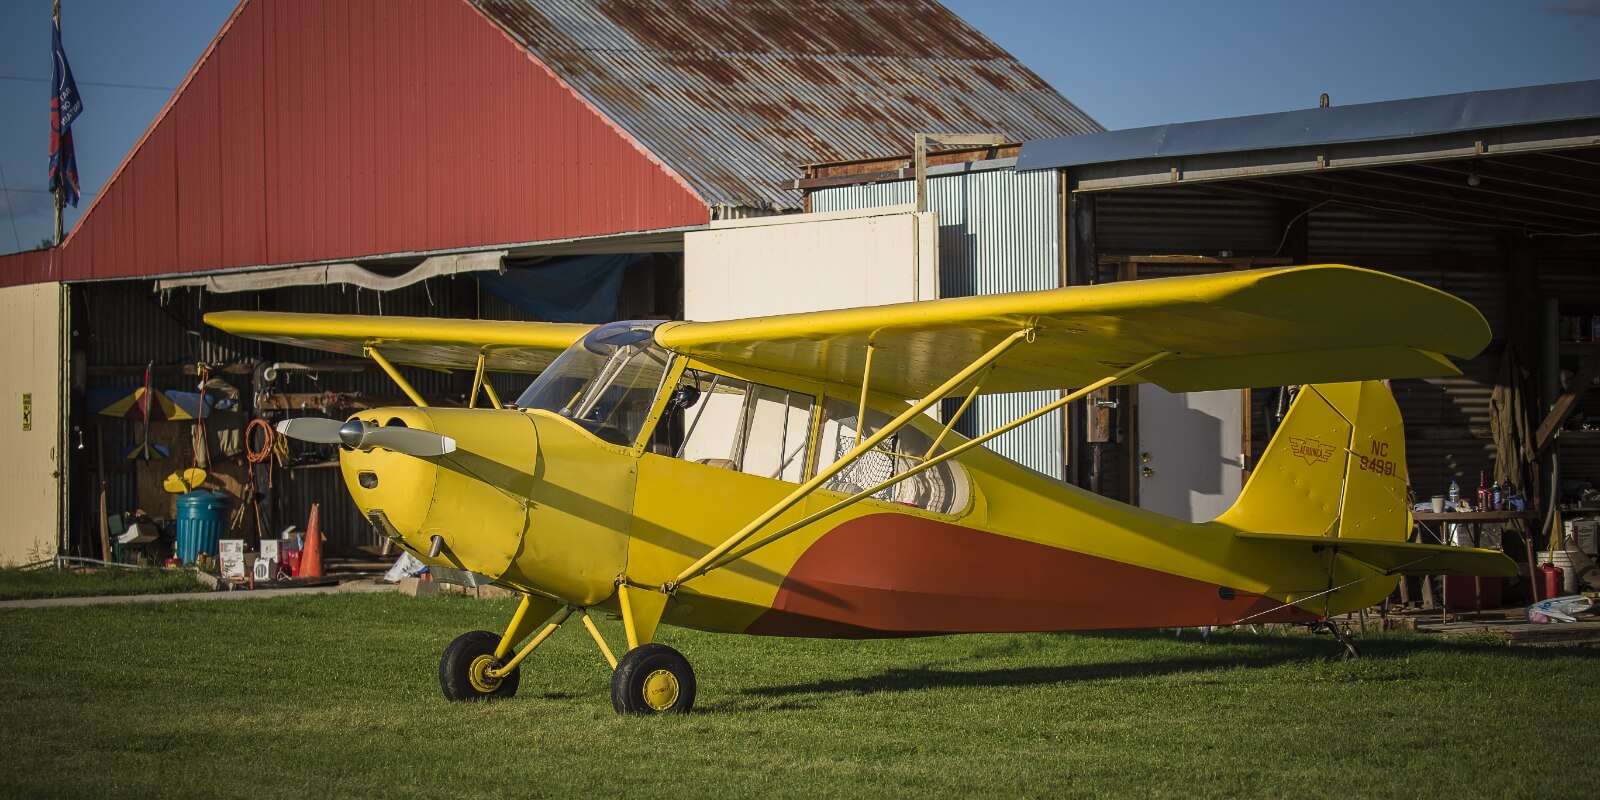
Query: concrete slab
[[343, 588]]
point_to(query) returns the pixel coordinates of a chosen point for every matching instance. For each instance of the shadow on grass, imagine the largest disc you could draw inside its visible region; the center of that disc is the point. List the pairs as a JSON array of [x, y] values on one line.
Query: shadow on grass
[[1224, 652]]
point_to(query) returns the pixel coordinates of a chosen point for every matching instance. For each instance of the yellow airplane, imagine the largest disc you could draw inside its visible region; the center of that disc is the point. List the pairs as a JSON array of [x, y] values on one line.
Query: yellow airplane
[[783, 475]]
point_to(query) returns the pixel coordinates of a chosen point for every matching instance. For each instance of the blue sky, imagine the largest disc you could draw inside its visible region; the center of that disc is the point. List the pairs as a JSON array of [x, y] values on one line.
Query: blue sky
[[1127, 63]]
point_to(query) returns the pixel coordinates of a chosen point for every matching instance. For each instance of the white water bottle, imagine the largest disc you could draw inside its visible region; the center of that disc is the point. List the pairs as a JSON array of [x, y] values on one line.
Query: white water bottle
[[1455, 492]]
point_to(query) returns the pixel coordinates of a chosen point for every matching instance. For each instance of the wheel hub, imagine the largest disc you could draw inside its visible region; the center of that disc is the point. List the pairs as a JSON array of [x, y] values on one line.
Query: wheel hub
[[478, 674], [661, 690]]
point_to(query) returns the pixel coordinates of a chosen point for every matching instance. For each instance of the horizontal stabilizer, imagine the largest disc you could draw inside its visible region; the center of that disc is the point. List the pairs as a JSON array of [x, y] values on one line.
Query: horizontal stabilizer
[[1399, 558]]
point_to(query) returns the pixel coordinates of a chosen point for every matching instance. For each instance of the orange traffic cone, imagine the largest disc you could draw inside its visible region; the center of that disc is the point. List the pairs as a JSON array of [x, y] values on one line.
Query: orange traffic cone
[[311, 554]]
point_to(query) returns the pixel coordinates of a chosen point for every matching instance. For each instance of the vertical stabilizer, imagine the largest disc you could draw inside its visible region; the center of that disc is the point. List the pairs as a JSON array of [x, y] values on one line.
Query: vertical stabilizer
[[1336, 467]]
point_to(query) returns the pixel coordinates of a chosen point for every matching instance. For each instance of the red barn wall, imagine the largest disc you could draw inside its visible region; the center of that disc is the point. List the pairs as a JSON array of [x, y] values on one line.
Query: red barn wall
[[317, 130]]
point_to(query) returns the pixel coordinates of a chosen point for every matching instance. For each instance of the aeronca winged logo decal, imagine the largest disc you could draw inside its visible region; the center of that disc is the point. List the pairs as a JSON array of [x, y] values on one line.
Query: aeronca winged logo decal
[[1311, 450]]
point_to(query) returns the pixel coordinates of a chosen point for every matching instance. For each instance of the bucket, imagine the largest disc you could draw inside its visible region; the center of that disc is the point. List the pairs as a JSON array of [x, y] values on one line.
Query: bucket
[[202, 515], [1563, 562]]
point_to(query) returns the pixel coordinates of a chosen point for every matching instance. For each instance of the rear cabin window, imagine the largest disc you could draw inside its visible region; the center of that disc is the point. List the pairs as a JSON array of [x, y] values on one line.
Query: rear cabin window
[[943, 489], [741, 426]]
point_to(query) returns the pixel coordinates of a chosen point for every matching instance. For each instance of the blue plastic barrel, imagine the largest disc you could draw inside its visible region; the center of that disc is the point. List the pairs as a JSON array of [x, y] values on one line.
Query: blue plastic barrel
[[202, 516]]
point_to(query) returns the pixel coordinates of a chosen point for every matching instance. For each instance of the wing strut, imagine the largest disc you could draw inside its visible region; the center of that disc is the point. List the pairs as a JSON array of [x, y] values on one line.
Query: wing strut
[[935, 461], [405, 386], [863, 446], [477, 381]]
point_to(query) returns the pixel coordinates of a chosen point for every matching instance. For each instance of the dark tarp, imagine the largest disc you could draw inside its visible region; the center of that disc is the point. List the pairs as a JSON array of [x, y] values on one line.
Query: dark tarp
[[567, 289]]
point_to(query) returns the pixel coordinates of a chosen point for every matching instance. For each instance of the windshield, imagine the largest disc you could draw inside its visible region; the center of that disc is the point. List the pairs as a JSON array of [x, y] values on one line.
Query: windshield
[[606, 382]]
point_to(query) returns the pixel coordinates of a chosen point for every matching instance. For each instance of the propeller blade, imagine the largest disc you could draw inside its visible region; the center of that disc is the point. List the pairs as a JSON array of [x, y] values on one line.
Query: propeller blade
[[312, 429], [410, 441]]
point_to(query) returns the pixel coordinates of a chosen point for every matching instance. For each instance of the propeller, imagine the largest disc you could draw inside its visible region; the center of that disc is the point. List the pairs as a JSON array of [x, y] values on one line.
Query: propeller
[[320, 430], [358, 435]]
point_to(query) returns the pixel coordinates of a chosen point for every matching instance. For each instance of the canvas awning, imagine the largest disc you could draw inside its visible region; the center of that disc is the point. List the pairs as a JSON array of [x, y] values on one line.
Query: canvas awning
[[327, 274]]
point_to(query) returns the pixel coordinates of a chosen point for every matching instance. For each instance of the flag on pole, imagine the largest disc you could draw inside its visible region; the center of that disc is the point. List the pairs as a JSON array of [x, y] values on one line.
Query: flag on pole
[[65, 106]]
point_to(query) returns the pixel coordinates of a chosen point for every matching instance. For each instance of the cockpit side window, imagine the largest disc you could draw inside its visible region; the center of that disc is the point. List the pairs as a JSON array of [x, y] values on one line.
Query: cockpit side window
[[738, 425], [945, 489]]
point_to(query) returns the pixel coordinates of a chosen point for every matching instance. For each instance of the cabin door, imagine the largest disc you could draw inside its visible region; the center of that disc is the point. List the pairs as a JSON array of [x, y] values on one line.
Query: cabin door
[[1189, 462]]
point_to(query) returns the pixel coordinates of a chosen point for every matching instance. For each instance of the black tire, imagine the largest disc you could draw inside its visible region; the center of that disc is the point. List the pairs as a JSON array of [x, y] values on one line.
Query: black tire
[[460, 669], [652, 679]]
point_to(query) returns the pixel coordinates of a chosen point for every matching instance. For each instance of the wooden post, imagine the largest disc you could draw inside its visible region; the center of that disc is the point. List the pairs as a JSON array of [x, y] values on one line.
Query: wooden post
[[100, 464]]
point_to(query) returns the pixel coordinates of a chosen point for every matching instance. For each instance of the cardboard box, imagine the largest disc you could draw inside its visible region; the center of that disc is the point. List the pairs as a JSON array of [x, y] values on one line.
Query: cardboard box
[[266, 569], [232, 558], [1583, 531]]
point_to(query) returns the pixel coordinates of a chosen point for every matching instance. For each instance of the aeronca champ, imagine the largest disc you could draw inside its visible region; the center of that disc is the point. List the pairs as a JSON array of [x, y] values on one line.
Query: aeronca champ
[[783, 476]]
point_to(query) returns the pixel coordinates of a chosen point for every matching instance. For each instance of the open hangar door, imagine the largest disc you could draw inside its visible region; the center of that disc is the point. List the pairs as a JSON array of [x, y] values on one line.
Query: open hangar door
[[1489, 195], [1148, 233], [122, 327]]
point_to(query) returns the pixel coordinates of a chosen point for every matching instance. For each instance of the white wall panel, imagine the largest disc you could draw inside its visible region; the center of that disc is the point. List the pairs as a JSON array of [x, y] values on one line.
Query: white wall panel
[[809, 262]]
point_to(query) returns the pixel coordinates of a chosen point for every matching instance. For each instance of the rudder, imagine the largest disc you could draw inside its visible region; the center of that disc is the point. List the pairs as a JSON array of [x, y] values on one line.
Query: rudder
[[1335, 467]]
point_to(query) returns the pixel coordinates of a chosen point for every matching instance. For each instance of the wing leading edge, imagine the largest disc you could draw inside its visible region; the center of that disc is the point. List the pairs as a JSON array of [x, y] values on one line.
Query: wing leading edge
[[1270, 327], [420, 341]]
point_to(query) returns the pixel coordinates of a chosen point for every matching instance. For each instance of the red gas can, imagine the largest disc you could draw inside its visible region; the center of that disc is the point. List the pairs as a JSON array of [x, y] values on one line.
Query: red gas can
[[1552, 580]]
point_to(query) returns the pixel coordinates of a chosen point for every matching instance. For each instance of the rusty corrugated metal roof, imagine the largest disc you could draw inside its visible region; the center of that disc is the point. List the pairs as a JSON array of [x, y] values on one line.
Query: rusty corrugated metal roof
[[736, 95]]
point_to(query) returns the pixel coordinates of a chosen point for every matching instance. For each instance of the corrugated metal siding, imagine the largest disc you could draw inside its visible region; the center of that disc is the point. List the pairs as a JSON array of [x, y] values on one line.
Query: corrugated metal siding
[[1337, 234], [736, 95], [28, 266], [1185, 221], [1578, 291], [318, 131], [998, 232]]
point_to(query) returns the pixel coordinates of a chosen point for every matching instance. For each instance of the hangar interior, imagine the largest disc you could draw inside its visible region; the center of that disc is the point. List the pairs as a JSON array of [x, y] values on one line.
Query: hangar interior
[[122, 327]]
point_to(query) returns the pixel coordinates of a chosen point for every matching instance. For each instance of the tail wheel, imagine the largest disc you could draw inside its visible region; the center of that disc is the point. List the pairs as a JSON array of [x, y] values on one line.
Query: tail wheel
[[464, 669], [652, 679]]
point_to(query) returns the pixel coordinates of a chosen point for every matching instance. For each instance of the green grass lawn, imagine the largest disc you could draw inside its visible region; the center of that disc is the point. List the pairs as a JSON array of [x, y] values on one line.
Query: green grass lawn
[[337, 696], [42, 583]]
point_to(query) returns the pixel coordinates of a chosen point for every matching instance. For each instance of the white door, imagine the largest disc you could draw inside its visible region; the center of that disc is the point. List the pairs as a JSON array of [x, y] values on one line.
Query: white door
[[32, 321], [1190, 454]]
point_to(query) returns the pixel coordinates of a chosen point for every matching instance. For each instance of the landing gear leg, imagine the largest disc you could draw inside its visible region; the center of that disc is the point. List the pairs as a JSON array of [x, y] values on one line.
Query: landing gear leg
[[1344, 638]]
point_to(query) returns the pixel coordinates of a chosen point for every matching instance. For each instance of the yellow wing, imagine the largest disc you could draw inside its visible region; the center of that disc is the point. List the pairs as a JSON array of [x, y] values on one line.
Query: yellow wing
[[1267, 327], [422, 341]]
